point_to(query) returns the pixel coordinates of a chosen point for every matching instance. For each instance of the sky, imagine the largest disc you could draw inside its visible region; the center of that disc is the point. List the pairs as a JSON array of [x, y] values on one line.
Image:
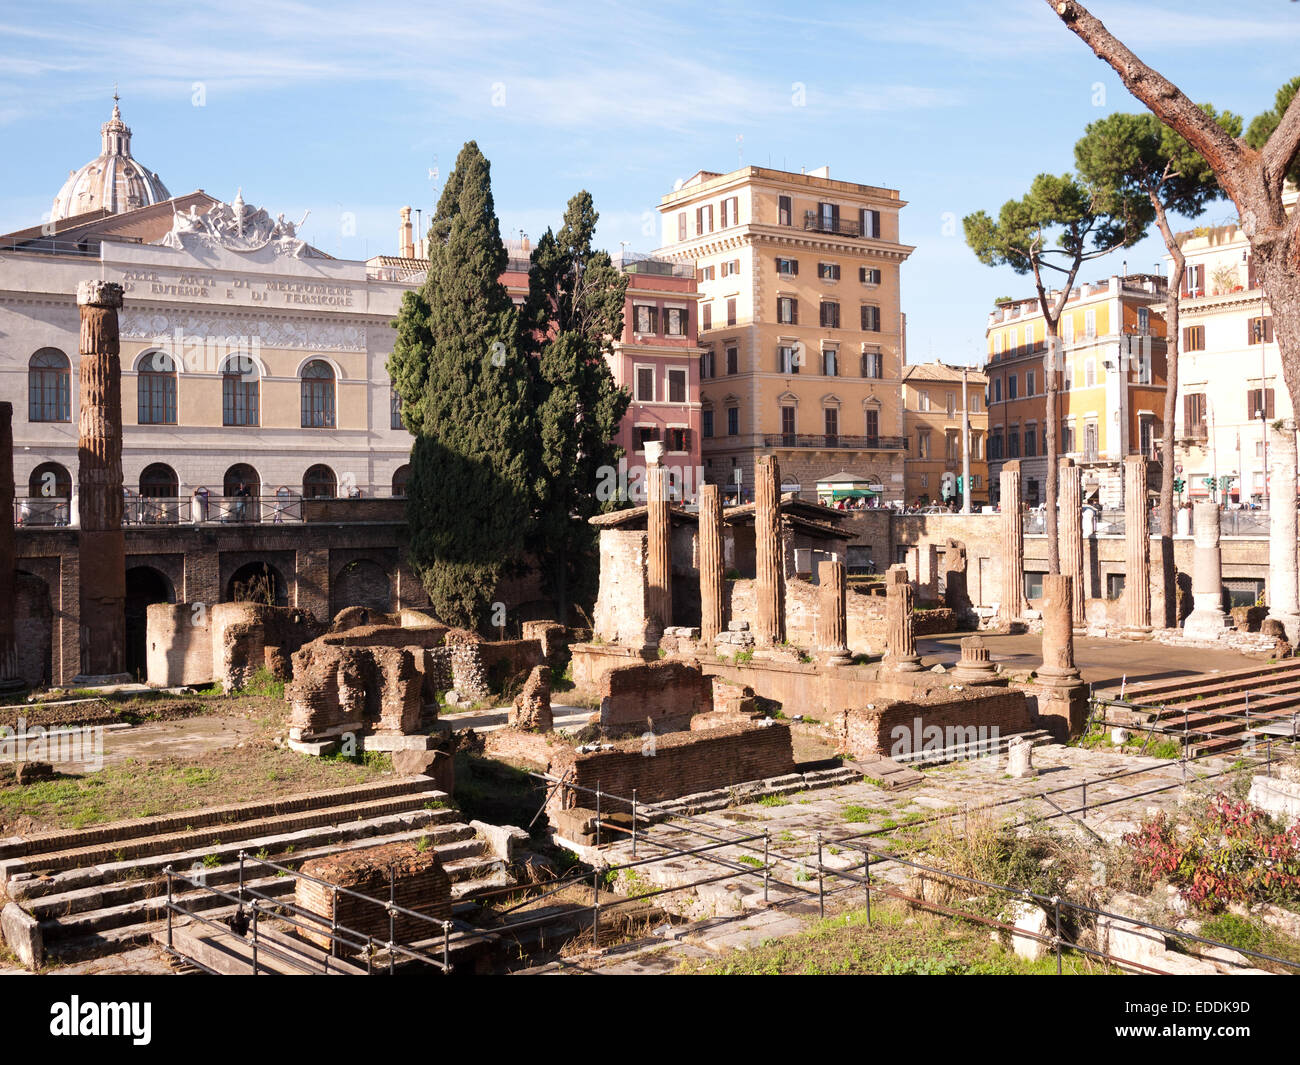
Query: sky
[[353, 110]]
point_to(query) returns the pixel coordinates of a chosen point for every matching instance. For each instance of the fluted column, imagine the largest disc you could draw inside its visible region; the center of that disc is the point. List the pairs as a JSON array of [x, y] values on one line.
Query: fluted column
[[1058, 669], [1137, 546], [832, 620], [8, 645], [900, 626], [659, 564], [1283, 598], [1013, 603], [769, 585], [1207, 619], [1070, 525], [102, 547], [712, 585]]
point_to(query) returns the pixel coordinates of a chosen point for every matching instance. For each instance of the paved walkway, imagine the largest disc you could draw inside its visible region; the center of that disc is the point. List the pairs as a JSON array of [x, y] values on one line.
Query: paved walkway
[[569, 718], [1102, 662]]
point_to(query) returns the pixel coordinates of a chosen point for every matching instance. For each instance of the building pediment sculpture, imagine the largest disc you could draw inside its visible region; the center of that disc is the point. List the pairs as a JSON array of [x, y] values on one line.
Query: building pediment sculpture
[[237, 226]]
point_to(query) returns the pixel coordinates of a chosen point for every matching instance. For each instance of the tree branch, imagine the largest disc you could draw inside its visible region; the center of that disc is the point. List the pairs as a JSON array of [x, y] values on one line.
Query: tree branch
[[1162, 96], [1280, 149]]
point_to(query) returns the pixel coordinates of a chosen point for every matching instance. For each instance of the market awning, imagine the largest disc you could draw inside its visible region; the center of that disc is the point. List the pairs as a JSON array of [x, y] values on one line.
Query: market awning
[[853, 493]]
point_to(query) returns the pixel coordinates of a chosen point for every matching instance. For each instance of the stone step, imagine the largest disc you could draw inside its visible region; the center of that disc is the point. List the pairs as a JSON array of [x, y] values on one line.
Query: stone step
[[991, 747], [217, 838], [1266, 698], [165, 824], [227, 954], [126, 882], [1204, 683]]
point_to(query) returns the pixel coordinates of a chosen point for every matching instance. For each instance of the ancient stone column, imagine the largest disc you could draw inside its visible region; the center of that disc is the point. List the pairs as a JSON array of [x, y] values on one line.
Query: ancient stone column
[[9, 679], [1058, 669], [1283, 597], [1013, 603], [712, 584], [769, 585], [101, 545], [900, 624], [975, 665], [1070, 526], [832, 619], [659, 564], [1207, 619], [1137, 546]]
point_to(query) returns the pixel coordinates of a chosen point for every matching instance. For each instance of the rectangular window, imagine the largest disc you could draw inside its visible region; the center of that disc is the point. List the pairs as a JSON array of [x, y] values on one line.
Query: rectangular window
[[731, 312], [976, 401], [1114, 586], [788, 267], [951, 447], [1194, 338], [645, 384], [923, 443], [707, 273], [725, 212], [873, 424], [679, 440], [832, 426], [676, 386], [1067, 437], [733, 360], [1259, 400], [997, 343], [923, 401], [784, 211], [997, 390], [787, 425], [643, 434], [706, 424], [1029, 383], [868, 275], [674, 321], [1013, 442], [828, 271], [787, 360], [829, 216], [830, 315], [1194, 280], [1033, 584], [730, 212], [872, 364], [830, 363], [787, 310], [1031, 441], [646, 318], [733, 421], [731, 268], [1012, 385], [704, 219], [394, 411], [1259, 331], [157, 399], [706, 317], [681, 226], [870, 221], [870, 318], [1090, 323]]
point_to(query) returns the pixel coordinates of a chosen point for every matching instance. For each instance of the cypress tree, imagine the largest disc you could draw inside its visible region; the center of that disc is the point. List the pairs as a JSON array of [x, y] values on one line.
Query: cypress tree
[[464, 387], [573, 312]]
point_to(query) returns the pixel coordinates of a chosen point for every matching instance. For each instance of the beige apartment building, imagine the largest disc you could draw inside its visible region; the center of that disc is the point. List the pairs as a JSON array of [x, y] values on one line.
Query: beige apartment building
[[800, 323], [932, 405]]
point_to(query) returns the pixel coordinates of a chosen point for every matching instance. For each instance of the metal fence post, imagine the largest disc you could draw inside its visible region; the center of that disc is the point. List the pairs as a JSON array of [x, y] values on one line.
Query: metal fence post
[[254, 937], [598, 813], [392, 915], [634, 822], [821, 890], [446, 948], [241, 876], [766, 832], [168, 871], [595, 909], [1085, 798], [334, 921], [866, 879]]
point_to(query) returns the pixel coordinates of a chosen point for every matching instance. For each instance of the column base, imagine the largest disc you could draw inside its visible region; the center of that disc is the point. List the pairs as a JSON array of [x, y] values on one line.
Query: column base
[[974, 675], [1051, 677], [838, 658], [903, 665], [1136, 632], [1207, 624]]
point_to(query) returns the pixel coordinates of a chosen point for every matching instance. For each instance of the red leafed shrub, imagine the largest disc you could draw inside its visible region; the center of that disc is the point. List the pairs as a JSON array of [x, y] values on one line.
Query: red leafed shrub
[[1231, 852]]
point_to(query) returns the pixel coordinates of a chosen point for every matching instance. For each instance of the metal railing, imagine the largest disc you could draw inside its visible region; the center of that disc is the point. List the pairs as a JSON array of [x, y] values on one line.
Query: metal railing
[[816, 222], [32, 511], [42, 510], [838, 441]]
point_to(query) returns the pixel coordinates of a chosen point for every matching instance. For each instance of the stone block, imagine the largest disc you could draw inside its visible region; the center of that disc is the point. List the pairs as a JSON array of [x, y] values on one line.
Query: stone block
[[22, 933]]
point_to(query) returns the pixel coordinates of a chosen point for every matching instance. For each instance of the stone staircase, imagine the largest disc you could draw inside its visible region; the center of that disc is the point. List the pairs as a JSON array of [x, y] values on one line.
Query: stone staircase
[[1212, 706], [87, 892]]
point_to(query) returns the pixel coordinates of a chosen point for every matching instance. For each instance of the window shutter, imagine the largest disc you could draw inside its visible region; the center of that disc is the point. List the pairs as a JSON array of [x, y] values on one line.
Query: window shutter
[[794, 267], [794, 312], [1268, 330]]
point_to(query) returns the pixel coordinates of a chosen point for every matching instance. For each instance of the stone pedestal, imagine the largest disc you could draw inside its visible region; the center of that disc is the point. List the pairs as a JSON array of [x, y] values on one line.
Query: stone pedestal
[[1283, 600], [9, 678], [1012, 605], [832, 621], [1070, 532], [1020, 760], [1207, 619], [1137, 548], [101, 545], [900, 627], [659, 561], [1058, 669], [712, 584], [975, 665], [769, 583]]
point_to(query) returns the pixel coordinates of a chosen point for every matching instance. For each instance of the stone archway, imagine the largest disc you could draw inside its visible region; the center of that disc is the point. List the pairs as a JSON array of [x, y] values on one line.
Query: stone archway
[[361, 582], [144, 587], [257, 582]]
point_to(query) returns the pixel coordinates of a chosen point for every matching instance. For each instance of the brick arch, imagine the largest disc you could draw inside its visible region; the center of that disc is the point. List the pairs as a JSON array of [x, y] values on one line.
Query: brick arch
[[363, 582]]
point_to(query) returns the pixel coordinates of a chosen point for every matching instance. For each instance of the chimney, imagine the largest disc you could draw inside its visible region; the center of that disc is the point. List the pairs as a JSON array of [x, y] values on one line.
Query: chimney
[[524, 244], [405, 245]]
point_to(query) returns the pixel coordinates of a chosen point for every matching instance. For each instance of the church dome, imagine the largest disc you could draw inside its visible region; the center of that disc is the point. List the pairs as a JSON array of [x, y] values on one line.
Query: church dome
[[112, 181]]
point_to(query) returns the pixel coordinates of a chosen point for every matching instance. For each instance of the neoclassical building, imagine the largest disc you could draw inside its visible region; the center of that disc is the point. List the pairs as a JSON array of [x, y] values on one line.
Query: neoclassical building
[[253, 365]]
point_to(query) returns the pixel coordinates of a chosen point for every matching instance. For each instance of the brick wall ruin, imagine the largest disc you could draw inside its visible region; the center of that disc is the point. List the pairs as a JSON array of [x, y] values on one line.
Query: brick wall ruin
[[339, 689], [897, 728], [662, 696]]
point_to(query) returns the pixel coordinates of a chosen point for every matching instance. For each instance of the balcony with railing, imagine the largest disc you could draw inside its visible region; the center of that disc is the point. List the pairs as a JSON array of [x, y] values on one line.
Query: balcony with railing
[[815, 222], [39, 511], [836, 442]]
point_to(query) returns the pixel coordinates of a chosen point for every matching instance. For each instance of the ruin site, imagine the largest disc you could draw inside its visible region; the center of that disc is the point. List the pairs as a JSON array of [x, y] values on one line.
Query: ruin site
[[748, 761]]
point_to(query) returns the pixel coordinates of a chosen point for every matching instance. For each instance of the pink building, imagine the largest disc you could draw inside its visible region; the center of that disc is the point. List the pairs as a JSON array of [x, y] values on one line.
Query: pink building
[[657, 359]]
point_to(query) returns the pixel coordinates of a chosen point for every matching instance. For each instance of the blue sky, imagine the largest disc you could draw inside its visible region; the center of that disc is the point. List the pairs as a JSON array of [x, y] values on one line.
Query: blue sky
[[344, 109]]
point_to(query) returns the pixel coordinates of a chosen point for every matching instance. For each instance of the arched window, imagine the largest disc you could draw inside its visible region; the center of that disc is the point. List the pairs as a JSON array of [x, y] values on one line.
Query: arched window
[[156, 389], [318, 483], [241, 474], [240, 392], [49, 390], [50, 481], [317, 395], [400, 478], [158, 481]]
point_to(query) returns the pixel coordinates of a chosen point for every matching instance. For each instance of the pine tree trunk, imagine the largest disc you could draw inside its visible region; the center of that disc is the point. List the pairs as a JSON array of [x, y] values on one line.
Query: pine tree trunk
[[1053, 357], [1168, 572]]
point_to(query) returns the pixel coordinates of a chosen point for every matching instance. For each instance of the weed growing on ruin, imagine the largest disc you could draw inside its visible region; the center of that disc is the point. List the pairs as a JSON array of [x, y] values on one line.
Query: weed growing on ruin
[[422, 844], [751, 861], [858, 815], [264, 683], [773, 800], [743, 657], [211, 861]]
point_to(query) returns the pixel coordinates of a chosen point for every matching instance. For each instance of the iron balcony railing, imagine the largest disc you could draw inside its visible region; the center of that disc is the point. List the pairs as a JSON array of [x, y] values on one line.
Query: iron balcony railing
[[32, 511], [836, 442], [814, 222]]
